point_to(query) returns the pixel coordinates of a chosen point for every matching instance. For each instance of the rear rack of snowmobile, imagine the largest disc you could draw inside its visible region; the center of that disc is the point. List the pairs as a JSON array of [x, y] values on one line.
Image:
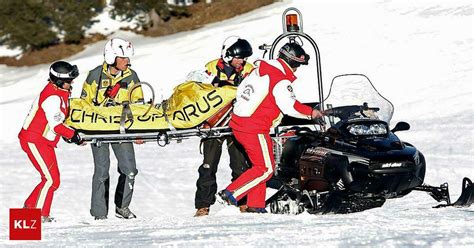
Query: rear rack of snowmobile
[[161, 137]]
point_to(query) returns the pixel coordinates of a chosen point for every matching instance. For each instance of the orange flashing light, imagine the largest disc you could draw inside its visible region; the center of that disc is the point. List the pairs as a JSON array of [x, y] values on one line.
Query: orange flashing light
[[292, 23]]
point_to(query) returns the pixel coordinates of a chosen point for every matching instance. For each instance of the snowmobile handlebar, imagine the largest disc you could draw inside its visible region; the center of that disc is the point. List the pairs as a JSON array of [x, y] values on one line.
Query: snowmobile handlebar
[[323, 137], [344, 112]]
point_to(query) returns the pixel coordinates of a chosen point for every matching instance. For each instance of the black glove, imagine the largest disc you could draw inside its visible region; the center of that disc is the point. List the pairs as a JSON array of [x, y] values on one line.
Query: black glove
[[224, 83], [219, 83], [76, 139]]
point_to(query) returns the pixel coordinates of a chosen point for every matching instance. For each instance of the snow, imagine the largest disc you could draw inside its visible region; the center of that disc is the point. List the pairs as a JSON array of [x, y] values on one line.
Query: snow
[[419, 55], [5, 51], [106, 25]]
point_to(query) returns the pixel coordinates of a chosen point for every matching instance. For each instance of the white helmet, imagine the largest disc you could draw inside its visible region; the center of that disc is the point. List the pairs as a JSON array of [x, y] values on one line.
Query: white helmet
[[117, 47]]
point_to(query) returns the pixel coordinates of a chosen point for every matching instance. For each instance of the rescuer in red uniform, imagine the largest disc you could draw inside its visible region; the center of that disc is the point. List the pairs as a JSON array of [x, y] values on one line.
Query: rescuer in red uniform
[[262, 97], [41, 132]]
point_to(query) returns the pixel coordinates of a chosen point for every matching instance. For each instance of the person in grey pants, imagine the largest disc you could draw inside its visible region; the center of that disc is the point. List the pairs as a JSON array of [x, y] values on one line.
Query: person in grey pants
[[100, 181], [108, 85]]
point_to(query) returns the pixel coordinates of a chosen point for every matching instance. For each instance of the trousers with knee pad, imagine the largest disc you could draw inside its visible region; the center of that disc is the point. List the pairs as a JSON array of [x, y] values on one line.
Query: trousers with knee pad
[[127, 170]]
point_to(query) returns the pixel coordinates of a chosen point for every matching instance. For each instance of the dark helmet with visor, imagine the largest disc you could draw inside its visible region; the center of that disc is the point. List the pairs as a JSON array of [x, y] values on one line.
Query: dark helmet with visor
[[61, 72], [293, 54], [235, 47]]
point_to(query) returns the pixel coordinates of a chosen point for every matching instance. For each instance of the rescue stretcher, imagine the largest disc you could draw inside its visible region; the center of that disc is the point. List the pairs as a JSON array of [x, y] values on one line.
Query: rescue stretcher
[[193, 110]]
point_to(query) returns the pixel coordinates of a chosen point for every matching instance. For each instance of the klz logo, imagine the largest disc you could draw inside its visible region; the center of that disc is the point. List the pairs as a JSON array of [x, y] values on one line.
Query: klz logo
[[25, 224]]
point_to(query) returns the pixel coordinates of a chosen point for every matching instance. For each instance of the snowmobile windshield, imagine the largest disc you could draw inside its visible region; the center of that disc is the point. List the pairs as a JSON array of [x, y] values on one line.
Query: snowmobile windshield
[[354, 96]]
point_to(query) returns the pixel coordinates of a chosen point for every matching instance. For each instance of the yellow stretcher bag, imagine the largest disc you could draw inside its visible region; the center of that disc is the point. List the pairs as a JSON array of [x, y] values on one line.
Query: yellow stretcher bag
[[190, 105]]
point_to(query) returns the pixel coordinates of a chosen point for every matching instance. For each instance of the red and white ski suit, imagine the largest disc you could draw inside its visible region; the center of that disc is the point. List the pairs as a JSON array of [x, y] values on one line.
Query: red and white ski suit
[[261, 99], [38, 138]]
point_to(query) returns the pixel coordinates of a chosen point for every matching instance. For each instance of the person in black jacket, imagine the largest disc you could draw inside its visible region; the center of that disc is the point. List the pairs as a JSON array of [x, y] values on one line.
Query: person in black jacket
[[229, 69]]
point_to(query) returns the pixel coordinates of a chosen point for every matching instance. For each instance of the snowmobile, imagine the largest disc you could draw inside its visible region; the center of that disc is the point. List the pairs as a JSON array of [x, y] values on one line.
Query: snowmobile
[[349, 161], [357, 163]]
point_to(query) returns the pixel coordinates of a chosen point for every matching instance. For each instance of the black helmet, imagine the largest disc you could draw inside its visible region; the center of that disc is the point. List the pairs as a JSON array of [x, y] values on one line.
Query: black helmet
[[235, 47], [293, 54], [61, 72]]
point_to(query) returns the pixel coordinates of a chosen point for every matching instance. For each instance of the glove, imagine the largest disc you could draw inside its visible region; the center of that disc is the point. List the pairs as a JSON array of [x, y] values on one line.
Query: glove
[[111, 92], [315, 114], [199, 76], [317, 117], [76, 139]]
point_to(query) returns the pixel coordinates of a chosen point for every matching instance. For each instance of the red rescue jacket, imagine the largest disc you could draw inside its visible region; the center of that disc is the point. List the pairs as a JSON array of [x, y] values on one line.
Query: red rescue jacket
[[44, 123]]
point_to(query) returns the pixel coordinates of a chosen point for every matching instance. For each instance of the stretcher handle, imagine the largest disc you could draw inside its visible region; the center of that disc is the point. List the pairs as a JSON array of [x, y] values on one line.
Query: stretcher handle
[[152, 95]]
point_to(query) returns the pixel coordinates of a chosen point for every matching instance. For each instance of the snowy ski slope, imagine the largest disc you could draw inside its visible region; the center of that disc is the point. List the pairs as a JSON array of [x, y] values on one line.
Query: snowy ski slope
[[419, 55]]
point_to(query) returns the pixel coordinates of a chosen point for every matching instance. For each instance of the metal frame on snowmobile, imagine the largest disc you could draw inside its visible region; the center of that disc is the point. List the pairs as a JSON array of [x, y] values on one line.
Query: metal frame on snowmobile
[[292, 30], [292, 25]]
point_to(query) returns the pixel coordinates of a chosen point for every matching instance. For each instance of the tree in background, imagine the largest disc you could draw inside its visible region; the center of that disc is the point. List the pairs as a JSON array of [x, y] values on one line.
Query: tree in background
[[73, 17], [152, 12], [26, 24], [36, 24]]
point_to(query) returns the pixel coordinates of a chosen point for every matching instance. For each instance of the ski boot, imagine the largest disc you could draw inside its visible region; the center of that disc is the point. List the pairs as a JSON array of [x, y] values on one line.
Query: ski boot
[[124, 213], [226, 197], [201, 212], [243, 208], [47, 219], [255, 210]]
